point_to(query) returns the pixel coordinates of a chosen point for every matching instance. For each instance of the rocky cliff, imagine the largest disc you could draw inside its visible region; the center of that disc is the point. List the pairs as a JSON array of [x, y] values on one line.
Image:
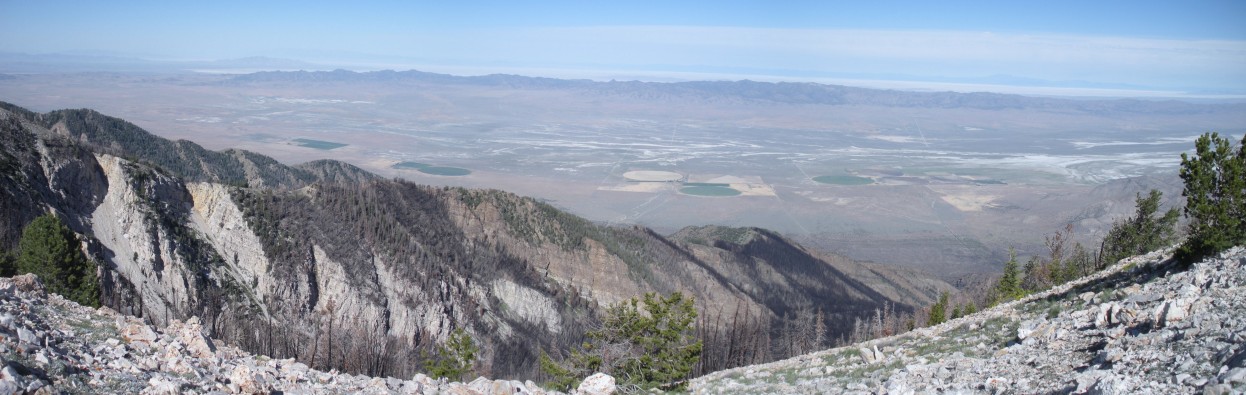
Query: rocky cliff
[[340, 269], [1146, 325], [51, 345]]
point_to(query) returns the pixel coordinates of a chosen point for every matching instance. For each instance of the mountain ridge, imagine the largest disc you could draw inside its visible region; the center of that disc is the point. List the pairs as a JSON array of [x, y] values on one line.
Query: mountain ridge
[[270, 256]]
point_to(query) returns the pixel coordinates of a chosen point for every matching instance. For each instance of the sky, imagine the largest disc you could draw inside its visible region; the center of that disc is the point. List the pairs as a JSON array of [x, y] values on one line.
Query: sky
[[1190, 46]]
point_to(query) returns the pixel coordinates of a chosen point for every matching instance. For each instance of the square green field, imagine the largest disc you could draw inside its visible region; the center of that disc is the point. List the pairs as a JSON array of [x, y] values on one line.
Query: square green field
[[318, 144]]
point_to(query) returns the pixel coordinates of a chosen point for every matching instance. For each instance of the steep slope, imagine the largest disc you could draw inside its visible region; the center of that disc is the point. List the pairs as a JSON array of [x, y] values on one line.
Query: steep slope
[[770, 268], [329, 264], [1144, 325]]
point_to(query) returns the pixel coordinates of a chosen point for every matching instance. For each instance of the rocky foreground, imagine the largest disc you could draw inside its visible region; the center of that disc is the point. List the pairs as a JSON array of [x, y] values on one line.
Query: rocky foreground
[[1144, 326], [51, 345]]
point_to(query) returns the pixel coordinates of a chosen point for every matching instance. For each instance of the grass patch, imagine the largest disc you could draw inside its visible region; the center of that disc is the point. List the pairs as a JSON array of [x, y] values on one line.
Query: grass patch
[[445, 171], [410, 165], [1001, 331], [1053, 311], [709, 191], [841, 356], [318, 144], [844, 180]]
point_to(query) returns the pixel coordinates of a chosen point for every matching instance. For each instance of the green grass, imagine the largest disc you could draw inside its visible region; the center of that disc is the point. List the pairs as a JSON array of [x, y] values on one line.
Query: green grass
[[844, 180], [410, 165], [445, 171], [319, 144], [708, 191], [434, 170]]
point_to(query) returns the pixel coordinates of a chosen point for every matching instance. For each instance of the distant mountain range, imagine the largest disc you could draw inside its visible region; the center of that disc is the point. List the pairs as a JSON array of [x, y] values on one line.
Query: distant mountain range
[[22, 63], [775, 92], [27, 63]]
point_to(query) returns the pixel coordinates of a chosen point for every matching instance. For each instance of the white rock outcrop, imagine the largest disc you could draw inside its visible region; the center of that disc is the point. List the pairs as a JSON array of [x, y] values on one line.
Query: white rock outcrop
[[51, 345], [1143, 326]]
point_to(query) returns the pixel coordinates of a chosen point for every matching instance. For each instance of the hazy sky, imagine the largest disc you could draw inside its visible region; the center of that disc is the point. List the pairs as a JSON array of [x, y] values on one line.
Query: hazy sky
[[1190, 45]]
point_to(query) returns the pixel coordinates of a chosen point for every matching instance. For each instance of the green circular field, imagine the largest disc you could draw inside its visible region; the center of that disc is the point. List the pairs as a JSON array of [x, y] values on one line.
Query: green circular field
[[844, 180], [445, 171], [708, 191], [410, 165]]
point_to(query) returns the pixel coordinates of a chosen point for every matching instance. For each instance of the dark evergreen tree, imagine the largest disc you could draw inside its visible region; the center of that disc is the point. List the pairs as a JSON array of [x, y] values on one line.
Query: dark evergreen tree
[[1142, 233], [938, 312], [455, 358], [8, 265], [1215, 193], [51, 251], [971, 308], [1009, 286], [644, 346]]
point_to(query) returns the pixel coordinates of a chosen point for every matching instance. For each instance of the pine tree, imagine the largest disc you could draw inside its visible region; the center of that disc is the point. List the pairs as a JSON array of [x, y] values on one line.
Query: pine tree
[[646, 343], [455, 358], [938, 312], [1141, 233], [1215, 193], [1009, 286], [51, 251]]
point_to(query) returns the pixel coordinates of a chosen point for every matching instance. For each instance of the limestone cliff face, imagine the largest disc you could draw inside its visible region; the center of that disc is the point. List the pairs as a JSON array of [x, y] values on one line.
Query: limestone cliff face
[[138, 248], [218, 220]]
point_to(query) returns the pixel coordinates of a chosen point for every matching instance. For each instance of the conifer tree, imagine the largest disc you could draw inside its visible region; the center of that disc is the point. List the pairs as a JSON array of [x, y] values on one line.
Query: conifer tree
[[1215, 193], [51, 251], [455, 358], [645, 343], [938, 312], [1142, 233], [1009, 286]]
